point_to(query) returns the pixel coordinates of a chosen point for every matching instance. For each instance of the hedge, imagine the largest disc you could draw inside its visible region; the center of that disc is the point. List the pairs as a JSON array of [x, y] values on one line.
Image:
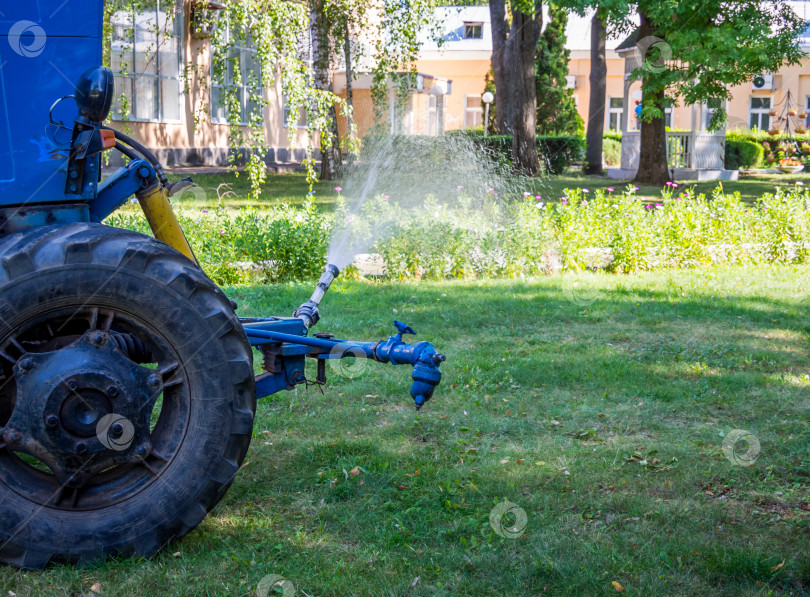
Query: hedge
[[743, 153], [557, 152]]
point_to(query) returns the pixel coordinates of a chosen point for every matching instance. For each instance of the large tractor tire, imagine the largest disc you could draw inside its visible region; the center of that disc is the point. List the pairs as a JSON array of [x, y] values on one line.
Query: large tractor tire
[[126, 395]]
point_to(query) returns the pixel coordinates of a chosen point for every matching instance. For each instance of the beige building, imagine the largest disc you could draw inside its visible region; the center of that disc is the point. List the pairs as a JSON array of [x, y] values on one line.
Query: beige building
[[173, 108]]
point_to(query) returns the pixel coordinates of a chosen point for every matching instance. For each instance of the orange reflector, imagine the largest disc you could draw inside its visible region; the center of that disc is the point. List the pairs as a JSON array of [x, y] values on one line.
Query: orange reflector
[[107, 138]]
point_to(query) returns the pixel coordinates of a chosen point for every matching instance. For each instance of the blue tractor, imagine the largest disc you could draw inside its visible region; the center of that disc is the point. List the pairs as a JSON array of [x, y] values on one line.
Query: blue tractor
[[127, 386]]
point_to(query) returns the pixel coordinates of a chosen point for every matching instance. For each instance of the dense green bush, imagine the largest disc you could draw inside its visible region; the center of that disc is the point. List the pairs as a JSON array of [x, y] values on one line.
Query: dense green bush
[[775, 147], [609, 229], [612, 148], [557, 152], [743, 153]]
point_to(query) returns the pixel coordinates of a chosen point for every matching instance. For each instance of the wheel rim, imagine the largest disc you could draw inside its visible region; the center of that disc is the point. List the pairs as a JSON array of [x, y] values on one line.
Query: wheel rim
[[58, 329]]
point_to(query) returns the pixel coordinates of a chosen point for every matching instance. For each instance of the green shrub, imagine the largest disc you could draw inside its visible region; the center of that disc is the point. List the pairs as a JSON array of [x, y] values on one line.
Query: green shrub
[[743, 153], [557, 152], [612, 148]]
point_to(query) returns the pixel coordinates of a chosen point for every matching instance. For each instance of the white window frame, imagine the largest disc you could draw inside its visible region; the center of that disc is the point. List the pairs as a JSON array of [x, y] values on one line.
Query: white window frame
[[244, 99], [618, 112], [431, 115], [760, 111], [807, 111], [471, 111], [177, 34], [708, 112], [472, 26]]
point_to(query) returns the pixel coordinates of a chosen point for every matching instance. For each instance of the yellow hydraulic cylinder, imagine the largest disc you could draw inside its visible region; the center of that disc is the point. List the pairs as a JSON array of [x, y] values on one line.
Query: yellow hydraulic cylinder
[[158, 211]]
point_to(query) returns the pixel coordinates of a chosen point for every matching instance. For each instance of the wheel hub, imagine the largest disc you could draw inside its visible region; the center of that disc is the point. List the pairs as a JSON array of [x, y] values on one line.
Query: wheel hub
[[83, 408]]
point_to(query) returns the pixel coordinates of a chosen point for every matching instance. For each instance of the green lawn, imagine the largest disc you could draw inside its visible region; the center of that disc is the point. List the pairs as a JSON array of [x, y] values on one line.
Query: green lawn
[[292, 188], [598, 406]]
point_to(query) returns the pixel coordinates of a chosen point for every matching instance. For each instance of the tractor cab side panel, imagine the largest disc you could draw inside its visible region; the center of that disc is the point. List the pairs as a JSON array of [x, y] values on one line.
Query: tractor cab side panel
[[45, 46]]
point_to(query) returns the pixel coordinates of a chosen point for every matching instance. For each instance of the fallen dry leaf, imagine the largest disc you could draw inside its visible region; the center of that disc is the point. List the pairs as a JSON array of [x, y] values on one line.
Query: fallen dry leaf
[[96, 588], [176, 554], [618, 587], [778, 566], [400, 487], [332, 483], [372, 395], [354, 472]]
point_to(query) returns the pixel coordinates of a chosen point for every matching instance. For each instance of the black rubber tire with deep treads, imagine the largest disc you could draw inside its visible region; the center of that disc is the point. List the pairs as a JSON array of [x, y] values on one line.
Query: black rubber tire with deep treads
[[94, 264]]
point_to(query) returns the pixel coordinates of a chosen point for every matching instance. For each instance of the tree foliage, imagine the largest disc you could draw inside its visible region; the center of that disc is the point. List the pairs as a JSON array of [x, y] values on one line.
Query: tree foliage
[[556, 110]]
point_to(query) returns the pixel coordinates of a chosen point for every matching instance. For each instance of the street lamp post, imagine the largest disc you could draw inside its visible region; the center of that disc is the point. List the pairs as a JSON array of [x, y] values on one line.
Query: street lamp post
[[487, 98]]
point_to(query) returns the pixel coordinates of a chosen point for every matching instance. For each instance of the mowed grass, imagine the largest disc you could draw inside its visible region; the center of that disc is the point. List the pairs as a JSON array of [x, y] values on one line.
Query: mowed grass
[[292, 188], [598, 405]]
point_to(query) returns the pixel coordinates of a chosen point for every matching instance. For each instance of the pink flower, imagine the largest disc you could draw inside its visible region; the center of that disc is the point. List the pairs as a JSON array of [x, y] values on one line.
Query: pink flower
[[338, 189], [585, 191], [526, 194], [222, 231], [675, 185], [460, 187], [491, 191], [610, 190], [584, 202], [634, 188], [669, 183], [659, 205], [386, 196], [538, 197], [648, 207], [205, 211]]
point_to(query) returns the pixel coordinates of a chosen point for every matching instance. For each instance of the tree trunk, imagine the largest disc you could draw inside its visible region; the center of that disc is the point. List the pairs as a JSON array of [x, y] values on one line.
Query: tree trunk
[[596, 101], [347, 52], [501, 62], [321, 56], [523, 38], [652, 164]]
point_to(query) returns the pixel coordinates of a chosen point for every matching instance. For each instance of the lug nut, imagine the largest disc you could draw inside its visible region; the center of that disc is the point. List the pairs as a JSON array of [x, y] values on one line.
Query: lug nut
[[81, 448], [142, 450], [116, 430], [112, 391], [51, 421], [26, 364], [153, 382], [97, 338], [72, 385]]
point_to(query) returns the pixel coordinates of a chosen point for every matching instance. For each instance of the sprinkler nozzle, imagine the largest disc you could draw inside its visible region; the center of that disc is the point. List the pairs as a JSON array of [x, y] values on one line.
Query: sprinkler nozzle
[[308, 311]]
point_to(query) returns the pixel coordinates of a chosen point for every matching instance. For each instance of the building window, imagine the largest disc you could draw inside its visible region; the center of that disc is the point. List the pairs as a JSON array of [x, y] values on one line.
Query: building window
[[431, 116], [807, 110], [473, 30], [241, 72], [615, 109], [473, 113], [710, 108], [145, 55], [301, 123], [758, 113]]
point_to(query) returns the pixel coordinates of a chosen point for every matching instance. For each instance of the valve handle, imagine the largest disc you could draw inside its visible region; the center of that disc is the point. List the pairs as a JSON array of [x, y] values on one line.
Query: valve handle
[[403, 329]]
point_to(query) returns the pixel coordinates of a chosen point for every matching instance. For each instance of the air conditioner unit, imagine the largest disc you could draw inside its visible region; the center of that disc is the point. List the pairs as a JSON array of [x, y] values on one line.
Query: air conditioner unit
[[762, 83], [571, 81]]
